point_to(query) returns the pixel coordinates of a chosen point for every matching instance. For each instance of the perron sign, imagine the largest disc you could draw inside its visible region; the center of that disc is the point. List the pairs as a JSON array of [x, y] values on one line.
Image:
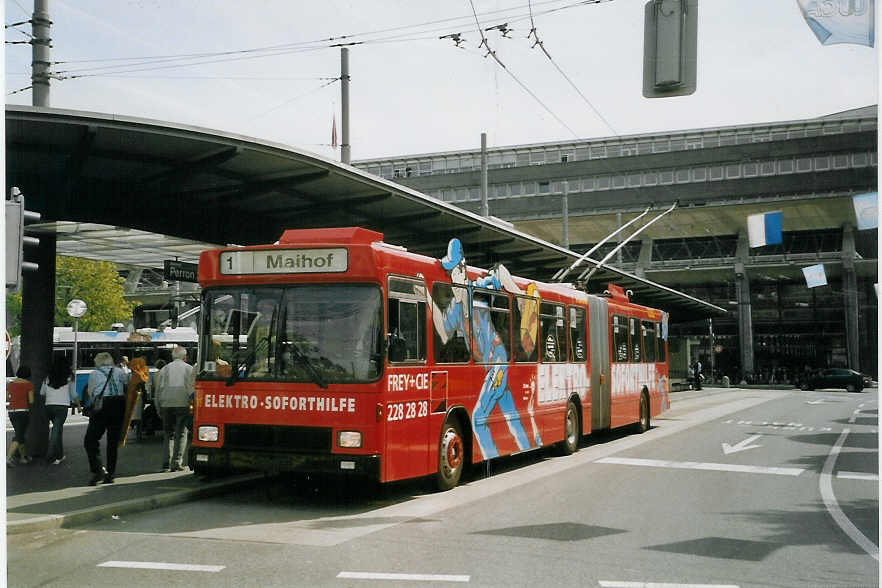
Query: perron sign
[[180, 271]]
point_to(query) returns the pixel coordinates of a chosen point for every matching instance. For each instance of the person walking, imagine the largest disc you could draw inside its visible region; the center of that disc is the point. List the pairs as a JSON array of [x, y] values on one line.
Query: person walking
[[19, 400], [172, 397], [107, 388], [58, 395], [697, 374]]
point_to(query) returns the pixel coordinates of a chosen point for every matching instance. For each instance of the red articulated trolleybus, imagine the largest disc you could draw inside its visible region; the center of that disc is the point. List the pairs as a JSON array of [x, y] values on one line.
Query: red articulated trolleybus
[[332, 351]]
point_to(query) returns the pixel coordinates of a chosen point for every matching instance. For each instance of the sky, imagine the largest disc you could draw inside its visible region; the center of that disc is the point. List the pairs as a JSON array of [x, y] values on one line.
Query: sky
[[412, 92]]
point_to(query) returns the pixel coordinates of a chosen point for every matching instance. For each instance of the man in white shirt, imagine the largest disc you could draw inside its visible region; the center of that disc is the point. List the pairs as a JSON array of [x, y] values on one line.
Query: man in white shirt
[[172, 397]]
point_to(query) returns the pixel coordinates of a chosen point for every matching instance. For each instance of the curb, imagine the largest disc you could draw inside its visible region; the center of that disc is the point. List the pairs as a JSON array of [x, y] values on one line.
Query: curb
[[133, 505]]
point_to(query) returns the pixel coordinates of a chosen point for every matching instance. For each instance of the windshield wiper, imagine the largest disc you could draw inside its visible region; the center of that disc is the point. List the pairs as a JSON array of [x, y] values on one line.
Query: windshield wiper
[[316, 373]]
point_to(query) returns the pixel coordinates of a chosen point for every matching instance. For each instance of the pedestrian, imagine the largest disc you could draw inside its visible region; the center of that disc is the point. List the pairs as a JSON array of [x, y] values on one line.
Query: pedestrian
[[138, 376], [696, 374], [107, 388], [150, 420], [19, 400], [172, 397], [58, 394]]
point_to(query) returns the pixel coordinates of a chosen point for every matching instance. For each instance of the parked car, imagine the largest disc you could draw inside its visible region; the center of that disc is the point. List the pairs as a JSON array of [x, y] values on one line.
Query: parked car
[[834, 378]]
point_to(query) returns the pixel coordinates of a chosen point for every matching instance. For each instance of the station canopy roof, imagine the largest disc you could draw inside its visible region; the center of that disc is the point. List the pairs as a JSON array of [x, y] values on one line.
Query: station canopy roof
[[138, 192]]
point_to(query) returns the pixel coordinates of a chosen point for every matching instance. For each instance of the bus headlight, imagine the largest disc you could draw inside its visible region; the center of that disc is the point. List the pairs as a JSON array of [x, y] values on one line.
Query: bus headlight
[[349, 439], [207, 433]]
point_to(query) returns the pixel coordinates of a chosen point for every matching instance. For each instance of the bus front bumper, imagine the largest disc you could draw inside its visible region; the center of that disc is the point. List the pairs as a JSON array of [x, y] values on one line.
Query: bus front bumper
[[207, 460]]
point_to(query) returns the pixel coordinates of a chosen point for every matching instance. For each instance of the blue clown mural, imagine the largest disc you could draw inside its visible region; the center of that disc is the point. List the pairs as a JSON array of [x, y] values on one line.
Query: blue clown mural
[[487, 348]]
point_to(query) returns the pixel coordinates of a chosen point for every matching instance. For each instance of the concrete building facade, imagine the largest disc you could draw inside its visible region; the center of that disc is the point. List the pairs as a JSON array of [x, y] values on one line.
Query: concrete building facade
[[574, 193]]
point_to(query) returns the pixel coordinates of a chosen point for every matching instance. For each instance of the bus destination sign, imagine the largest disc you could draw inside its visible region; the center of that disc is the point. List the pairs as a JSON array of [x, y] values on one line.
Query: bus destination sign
[[285, 261]]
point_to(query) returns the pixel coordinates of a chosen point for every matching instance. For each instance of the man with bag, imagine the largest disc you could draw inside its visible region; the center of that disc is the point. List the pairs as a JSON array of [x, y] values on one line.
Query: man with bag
[[105, 407]]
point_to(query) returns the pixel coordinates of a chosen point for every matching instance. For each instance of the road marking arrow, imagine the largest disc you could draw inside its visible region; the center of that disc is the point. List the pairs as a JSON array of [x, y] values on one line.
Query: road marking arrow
[[742, 446]]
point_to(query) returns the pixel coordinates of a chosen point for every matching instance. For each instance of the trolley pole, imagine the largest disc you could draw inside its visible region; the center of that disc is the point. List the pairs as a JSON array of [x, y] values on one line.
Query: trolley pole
[[344, 99], [619, 225], [565, 203], [40, 53]]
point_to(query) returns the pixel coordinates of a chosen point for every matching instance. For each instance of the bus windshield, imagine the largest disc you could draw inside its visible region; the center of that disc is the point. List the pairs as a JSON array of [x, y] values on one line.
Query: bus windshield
[[320, 333]]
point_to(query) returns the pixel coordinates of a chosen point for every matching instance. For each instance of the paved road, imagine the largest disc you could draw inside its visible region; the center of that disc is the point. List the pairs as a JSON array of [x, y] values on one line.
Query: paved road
[[729, 488]]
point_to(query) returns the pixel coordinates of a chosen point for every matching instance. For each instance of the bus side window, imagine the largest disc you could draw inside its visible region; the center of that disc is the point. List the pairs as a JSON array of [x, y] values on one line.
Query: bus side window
[[578, 349], [634, 330], [407, 320], [526, 320], [619, 339], [648, 329], [552, 334], [661, 344], [451, 304], [491, 322]]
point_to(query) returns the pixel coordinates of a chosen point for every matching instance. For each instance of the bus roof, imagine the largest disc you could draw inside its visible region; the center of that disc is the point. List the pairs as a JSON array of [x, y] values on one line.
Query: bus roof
[[179, 335]]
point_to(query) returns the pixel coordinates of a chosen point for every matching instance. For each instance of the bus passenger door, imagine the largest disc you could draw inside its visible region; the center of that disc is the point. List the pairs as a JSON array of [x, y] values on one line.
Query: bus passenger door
[[598, 326], [407, 382]]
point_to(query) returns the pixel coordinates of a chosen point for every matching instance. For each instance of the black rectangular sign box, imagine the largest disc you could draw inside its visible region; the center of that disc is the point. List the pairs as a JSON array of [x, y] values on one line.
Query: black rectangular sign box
[[180, 271]]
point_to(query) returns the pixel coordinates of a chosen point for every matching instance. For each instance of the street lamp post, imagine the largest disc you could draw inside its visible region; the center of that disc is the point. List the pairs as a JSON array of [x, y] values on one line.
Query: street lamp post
[[75, 309]]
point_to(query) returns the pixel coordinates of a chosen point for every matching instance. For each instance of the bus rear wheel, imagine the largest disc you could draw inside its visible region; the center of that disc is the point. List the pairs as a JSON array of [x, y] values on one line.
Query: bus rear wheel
[[570, 444], [643, 425], [451, 456]]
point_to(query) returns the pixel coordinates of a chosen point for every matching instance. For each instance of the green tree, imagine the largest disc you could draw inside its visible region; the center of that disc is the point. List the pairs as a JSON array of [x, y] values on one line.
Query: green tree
[[98, 284], [13, 314]]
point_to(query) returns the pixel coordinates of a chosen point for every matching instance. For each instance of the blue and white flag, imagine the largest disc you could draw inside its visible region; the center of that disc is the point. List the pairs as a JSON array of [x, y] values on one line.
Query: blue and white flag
[[866, 210], [840, 21], [815, 275], [764, 229]]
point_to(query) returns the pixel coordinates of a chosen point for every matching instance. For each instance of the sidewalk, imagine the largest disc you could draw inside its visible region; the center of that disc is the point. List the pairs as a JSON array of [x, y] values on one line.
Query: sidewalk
[[41, 496]]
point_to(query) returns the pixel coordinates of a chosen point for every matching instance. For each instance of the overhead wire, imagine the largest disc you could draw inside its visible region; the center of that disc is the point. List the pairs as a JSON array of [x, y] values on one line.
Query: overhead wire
[[336, 38], [572, 84], [166, 66], [201, 77], [25, 33], [514, 77], [129, 64], [295, 98], [22, 7]]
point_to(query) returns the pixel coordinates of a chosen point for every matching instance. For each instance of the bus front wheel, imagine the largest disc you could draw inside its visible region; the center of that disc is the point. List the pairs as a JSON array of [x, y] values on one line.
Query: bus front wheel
[[451, 456]]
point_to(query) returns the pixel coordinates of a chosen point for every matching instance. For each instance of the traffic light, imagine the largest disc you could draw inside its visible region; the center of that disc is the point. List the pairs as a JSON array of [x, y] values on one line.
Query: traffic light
[[16, 240], [670, 44]]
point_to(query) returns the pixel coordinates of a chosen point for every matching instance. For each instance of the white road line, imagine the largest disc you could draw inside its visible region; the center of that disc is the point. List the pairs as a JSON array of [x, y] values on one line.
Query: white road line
[[159, 565], [857, 476], [826, 487], [613, 584], [694, 465], [403, 577]]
